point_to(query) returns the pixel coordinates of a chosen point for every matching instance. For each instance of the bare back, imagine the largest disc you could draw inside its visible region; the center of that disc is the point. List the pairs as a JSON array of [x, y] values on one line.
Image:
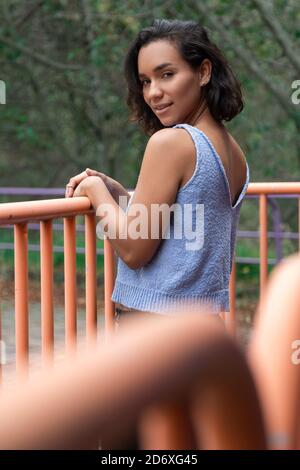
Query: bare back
[[232, 157]]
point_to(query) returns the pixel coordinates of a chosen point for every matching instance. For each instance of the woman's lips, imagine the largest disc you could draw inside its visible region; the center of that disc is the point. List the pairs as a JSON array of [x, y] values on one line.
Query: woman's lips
[[161, 111]]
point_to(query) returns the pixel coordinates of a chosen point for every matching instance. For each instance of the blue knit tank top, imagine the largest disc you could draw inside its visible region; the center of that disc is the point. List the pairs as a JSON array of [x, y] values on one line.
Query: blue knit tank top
[[185, 272]]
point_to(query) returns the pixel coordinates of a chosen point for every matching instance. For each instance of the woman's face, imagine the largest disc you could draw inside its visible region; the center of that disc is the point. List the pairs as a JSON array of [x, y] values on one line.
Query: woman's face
[[175, 84]]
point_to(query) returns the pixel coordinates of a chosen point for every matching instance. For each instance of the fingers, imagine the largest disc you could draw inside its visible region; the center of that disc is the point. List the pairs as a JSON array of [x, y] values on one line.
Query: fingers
[[96, 173], [92, 172], [77, 192], [74, 182]]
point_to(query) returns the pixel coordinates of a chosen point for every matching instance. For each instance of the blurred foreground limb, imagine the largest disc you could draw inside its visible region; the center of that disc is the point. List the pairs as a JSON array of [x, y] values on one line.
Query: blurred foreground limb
[[182, 379], [274, 357]]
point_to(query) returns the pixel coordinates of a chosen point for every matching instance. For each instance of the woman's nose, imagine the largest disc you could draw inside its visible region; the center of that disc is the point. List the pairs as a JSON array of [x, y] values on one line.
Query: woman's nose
[[154, 90]]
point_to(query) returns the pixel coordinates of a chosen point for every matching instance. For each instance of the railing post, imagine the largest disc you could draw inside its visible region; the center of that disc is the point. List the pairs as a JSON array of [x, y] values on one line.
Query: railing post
[[21, 298], [91, 278], [299, 221], [47, 323], [109, 280], [70, 284], [232, 293], [263, 222], [276, 228]]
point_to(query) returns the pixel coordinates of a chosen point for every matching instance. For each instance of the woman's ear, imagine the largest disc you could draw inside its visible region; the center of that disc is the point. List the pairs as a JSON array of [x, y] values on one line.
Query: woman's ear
[[205, 72]]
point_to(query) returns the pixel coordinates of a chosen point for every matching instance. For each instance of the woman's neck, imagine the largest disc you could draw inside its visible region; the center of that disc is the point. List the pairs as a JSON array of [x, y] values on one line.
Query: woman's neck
[[205, 119]]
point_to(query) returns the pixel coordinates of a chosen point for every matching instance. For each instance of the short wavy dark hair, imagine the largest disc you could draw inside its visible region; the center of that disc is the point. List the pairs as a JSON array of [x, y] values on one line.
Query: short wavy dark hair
[[222, 93]]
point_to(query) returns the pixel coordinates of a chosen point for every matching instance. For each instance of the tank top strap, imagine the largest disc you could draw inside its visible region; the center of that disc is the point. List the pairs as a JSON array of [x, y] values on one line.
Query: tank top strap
[[196, 135], [206, 166], [213, 166]]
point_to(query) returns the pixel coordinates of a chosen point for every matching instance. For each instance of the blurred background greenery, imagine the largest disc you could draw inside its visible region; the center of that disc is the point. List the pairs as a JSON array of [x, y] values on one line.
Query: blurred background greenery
[[62, 62]]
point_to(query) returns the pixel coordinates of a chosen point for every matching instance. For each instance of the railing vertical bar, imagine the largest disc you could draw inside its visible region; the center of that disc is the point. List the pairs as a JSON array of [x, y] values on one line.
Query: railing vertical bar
[[91, 278], [1, 346], [232, 295], [70, 284], [47, 320], [263, 222], [109, 280], [21, 299], [299, 221]]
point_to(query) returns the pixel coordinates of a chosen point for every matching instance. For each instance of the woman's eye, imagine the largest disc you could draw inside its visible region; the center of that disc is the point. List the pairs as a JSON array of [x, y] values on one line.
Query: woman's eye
[[164, 75], [167, 73]]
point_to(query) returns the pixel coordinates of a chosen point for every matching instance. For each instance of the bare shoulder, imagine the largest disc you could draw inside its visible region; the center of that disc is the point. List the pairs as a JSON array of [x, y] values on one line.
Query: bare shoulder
[[165, 159], [175, 144], [173, 137]]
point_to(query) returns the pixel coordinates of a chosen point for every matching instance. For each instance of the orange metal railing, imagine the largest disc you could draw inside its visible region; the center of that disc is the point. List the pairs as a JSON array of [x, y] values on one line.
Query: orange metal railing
[[21, 213], [262, 190]]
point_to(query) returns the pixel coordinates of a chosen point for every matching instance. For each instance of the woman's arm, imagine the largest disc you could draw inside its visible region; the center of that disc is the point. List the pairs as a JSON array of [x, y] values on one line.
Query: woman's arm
[[136, 234], [110, 214], [115, 188]]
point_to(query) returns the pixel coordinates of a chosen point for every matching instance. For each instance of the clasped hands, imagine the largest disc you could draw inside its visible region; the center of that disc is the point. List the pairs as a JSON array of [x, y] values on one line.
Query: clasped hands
[[81, 184]]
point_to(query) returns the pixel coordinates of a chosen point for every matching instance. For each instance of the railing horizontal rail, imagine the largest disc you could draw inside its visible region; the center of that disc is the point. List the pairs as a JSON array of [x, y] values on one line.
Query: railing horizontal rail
[[274, 188], [253, 260], [16, 212], [32, 191], [255, 234], [56, 249], [253, 190], [240, 233], [100, 251], [56, 227]]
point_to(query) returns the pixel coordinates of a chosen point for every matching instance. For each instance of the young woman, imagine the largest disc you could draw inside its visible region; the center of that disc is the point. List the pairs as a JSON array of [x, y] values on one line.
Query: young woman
[[194, 174]]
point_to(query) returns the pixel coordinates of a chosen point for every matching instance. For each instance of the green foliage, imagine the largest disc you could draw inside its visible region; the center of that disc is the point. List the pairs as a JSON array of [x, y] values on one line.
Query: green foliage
[[62, 62]]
